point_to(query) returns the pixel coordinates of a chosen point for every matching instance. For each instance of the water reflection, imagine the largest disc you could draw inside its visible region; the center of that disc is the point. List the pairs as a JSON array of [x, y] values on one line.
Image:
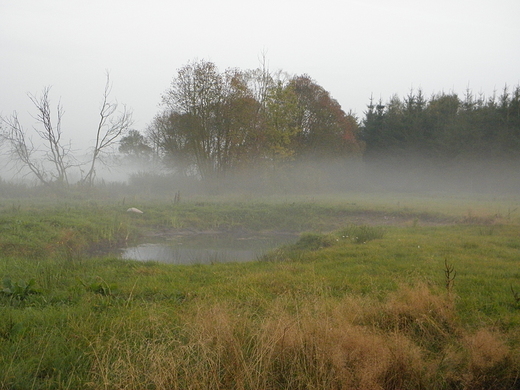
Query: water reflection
[[207, 249]]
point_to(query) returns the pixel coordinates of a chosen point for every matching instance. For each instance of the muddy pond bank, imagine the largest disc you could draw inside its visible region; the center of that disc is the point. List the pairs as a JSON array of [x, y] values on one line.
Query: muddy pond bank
[[192, 246]]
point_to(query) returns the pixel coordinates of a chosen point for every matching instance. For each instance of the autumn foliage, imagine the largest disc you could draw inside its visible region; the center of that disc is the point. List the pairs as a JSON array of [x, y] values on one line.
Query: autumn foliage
[[215, 122]]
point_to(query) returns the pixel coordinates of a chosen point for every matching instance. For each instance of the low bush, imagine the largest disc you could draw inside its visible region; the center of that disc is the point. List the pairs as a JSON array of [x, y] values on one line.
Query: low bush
[[313, 241], [362, 234]]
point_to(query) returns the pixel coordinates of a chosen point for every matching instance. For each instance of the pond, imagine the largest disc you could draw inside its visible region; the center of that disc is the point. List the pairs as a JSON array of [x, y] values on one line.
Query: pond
[[208, 248]]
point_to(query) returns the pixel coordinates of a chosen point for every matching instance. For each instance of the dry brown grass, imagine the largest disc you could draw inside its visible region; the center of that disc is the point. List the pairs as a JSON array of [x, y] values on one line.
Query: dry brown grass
[[489, 359], [411, 340]]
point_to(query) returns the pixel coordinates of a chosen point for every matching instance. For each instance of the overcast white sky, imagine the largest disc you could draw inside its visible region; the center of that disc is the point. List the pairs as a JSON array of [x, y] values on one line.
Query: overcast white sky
[[354, 49]]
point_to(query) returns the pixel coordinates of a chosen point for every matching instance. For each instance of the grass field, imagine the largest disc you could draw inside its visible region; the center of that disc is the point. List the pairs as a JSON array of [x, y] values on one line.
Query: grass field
[[380, 292]]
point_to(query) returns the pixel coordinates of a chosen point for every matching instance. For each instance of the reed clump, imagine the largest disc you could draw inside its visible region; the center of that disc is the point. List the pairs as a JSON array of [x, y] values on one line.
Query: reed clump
[[411, 340]]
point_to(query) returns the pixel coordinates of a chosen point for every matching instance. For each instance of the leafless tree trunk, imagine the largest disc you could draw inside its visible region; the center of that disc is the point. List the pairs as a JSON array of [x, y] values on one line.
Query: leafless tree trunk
[[51, 162], [56, 153], [22, 148], [109, 129]]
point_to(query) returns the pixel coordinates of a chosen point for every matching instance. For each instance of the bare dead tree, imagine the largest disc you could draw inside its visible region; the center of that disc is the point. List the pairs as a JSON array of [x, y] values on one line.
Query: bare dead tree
[[110, 128], [51, 161], [21, 148], [55, 154]]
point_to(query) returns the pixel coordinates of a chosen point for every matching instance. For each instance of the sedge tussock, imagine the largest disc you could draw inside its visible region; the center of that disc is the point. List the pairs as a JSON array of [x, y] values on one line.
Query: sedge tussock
[[427, 318], [489, 361], [409, 341]]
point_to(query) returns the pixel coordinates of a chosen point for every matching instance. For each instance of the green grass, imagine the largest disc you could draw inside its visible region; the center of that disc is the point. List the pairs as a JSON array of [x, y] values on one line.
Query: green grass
[[360, 301]]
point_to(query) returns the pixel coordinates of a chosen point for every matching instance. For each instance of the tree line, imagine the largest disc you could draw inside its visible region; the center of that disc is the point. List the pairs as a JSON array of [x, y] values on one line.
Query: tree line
[[444, 127], [213, 123]]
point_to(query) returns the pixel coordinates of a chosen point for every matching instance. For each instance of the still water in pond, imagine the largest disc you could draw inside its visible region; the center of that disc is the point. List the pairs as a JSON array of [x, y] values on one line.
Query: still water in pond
[[207, 249]]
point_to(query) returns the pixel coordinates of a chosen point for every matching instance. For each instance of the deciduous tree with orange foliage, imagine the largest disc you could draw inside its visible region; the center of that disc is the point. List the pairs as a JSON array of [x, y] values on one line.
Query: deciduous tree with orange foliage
[[214, 122]]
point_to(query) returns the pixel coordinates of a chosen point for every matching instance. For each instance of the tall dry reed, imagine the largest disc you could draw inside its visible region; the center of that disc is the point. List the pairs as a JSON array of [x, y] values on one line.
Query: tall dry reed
[[410, 341]]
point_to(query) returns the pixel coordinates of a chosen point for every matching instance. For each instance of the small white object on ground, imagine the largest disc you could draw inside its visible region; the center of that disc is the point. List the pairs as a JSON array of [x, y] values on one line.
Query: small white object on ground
[[134, 210]]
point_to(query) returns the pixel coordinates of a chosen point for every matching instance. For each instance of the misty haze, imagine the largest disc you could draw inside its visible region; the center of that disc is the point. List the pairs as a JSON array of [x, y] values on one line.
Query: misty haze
[[262, 132], [329, 198]]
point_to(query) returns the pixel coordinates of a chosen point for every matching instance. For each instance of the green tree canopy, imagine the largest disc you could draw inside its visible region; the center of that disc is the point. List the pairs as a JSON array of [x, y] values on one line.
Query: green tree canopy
[[445, 127]]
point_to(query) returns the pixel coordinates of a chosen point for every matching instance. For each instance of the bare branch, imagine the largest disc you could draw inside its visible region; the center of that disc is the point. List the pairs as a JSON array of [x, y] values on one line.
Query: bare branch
[[49, 163], [56, 153], [110, 128], [22, 148]]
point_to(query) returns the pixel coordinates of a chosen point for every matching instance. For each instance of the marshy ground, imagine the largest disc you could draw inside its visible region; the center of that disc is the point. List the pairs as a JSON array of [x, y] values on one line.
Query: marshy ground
[[379, 292]]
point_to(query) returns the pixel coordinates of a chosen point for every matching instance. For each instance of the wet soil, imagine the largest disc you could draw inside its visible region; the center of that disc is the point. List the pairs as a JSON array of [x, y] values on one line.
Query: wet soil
[[334, 222], [371, 218]]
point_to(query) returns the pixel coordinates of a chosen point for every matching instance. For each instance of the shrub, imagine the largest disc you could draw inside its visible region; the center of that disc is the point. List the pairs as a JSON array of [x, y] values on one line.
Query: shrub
[[362, 234], [313, 241]]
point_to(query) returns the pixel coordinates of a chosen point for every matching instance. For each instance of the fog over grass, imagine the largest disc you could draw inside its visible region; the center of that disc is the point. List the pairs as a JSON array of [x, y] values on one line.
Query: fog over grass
[[383, 175], [314, 177]]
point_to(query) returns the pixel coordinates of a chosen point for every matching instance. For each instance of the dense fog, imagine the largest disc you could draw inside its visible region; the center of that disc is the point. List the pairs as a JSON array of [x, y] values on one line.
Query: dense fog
[[304, 178]]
